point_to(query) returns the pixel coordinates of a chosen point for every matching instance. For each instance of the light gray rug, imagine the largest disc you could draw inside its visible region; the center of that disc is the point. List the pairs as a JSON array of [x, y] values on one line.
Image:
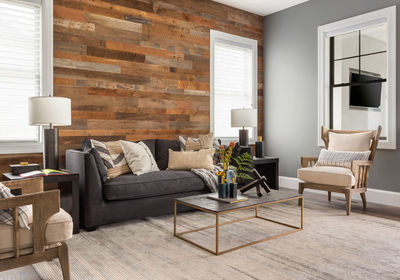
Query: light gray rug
[[332, 246]]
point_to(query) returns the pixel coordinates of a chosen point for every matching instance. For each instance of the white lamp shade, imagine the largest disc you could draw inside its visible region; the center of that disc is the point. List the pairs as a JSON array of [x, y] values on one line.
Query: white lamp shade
[[244, 117], [45, 110]]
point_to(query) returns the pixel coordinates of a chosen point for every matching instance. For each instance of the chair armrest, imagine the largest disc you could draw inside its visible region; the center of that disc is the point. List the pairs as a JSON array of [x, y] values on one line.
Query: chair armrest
[[308, 161], [27, 186], [44, 205], [360, 169]]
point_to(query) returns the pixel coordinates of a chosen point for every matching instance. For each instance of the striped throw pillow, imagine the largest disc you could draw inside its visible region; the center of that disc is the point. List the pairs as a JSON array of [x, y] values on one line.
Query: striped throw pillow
[[340, 158], [112, 156], [196, 144]]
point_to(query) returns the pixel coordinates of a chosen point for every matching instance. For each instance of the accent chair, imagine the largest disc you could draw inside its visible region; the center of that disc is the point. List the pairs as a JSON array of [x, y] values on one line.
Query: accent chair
[[340, 179], [49, 225]]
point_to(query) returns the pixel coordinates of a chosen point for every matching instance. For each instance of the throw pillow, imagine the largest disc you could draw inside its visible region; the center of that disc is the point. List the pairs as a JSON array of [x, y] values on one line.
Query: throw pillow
[[113, 157], [356, 142], [340, 158], [186, 160], [139, 157], [195, 144], [6, 215], [87, 147]]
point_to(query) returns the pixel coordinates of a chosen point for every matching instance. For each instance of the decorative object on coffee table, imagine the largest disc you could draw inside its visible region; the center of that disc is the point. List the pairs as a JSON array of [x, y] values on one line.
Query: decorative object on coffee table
[[51, 111], [244, 168], [68, 184], [245, 117], [258, 183], [226, 154], [202, 203]]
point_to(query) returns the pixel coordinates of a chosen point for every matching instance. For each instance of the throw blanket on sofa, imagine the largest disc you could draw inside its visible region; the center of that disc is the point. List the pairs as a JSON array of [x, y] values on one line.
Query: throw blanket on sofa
[[209, 177]]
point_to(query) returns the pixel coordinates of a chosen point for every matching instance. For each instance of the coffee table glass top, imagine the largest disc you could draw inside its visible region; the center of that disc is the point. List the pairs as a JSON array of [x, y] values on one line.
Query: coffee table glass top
[[201, 201]]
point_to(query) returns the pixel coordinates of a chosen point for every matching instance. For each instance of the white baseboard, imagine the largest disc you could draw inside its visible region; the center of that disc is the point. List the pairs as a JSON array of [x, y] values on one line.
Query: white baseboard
[[373, 195]]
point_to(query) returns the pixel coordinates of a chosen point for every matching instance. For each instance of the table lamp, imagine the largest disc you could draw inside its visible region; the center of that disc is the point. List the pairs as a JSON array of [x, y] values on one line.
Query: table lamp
[[51, 111], [244, 118]]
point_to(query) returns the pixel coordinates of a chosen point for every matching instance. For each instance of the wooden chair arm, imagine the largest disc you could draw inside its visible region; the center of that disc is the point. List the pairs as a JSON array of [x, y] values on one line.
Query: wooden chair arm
[[360, 169], [308, 161], [44, 205], [27, 186]]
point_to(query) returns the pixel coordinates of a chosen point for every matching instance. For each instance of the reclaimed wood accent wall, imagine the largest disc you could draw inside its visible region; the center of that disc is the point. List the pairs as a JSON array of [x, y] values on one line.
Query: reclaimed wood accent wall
[[140, 69]]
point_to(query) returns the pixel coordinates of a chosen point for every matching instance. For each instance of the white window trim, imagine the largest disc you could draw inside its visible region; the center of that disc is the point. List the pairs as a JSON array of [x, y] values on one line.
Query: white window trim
[[238, 41], [387, 15], [46, 71]]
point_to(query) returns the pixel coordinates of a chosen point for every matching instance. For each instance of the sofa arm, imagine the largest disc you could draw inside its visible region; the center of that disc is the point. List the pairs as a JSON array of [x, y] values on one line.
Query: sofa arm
[[90, 186]]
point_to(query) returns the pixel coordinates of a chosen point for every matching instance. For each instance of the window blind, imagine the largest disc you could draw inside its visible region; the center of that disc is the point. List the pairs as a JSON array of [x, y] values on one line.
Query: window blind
[[233, 85], [19, 68]]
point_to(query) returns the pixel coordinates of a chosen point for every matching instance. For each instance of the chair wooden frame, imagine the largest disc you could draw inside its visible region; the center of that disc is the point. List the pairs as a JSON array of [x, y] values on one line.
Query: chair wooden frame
[[44, 205], [359, 168]]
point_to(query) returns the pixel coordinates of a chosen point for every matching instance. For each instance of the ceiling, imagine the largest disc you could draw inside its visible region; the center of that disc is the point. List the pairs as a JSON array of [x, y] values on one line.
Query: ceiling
[[261, 7]]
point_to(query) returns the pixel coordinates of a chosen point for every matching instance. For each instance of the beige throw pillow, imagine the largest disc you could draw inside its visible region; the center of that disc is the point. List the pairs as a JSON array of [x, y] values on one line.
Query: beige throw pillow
[[139, 157], [191, 159], [356, 142], [340, 158]]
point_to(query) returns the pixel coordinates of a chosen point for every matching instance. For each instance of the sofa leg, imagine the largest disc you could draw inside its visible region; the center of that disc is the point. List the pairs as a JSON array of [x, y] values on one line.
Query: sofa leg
[[64, 260], [348, 201], [301, 191], [364, 200], [329, 196], [89, 229]]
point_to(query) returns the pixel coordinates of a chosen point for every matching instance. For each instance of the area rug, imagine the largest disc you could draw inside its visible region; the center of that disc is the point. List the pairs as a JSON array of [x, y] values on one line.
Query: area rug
[[331, 246]]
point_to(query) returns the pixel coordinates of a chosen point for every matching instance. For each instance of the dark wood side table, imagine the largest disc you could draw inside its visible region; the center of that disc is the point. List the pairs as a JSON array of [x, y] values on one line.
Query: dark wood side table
[[68, 184], [268, 167]]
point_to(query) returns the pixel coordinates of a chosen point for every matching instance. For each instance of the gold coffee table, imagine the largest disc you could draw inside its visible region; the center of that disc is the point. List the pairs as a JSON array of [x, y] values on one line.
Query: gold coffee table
[[202, 203]]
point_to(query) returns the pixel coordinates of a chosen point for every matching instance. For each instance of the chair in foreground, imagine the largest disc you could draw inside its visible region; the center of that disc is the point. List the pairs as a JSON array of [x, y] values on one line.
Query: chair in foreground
[[336, 172], [49, 225]]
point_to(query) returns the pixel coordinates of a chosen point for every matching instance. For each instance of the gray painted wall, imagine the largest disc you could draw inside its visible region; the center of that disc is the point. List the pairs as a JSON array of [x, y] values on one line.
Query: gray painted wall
[[290, 85]]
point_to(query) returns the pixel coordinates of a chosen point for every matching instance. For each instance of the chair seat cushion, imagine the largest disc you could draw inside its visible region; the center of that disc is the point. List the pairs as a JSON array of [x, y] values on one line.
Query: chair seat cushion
[[58, 229], [152, 184], [327, 175]]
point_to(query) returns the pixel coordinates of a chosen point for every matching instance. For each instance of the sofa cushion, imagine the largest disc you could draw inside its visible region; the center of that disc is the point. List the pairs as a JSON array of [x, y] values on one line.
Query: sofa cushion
[[152, 184], [58, 228], [162, 153], [327, 175]]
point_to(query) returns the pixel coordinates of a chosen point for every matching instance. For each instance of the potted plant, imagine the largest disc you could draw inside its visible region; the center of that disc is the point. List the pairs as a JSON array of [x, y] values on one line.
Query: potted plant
[[244, 168]]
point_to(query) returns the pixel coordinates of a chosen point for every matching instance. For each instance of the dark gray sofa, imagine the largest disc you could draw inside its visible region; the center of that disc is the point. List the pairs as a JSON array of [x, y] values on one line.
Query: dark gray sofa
[[130, 196]]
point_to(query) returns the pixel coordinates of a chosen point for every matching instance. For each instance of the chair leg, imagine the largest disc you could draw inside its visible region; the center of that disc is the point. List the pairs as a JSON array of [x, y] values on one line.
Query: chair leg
[[364, 200], [64, 260], [348, 201], [329, 196], [301, 191]]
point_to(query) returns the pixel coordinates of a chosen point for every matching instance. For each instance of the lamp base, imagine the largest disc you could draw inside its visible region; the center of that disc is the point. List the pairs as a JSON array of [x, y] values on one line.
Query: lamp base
[[243, 137], [50, 155]]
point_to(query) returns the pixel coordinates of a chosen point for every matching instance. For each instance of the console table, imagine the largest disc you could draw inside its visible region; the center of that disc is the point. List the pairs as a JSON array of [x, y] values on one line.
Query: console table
[[68, 184], [268, 167]]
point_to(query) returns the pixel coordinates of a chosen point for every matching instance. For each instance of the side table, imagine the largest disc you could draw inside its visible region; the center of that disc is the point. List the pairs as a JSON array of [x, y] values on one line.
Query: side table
[[68, 184], [268, 167]]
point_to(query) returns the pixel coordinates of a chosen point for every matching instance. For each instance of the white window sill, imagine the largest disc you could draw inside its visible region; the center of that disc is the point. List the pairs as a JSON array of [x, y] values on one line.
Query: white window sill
[[21, 148]]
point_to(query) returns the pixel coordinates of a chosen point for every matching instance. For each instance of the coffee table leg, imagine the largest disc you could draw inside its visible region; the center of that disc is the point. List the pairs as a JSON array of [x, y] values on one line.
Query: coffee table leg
[[174, 218], [216, 234]]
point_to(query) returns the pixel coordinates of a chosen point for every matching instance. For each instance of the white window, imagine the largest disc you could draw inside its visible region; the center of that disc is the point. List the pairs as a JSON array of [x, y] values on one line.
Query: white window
[[23, 71], [233, 81]]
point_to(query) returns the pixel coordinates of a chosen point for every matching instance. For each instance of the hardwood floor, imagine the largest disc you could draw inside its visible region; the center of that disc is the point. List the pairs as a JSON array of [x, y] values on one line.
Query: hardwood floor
[[315, 201]]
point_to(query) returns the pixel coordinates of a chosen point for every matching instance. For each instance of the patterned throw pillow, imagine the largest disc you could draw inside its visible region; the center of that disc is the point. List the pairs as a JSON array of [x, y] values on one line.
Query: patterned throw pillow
[[6, 214], [196, 144], [339, 158], [112, 156]]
